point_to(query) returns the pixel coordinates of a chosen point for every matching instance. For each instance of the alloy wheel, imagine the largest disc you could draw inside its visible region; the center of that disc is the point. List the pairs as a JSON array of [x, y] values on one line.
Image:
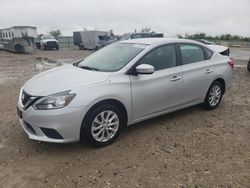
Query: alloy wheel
[[105, 126], [214, 95]]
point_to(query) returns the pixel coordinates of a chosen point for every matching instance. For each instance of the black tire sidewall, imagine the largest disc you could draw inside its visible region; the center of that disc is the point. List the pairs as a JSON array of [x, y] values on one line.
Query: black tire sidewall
[[86, 126], [206, 103], [248, 66]]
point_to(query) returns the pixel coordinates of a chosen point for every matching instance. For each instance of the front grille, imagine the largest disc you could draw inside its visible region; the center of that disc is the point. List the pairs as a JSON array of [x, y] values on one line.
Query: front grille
[[51, 44]]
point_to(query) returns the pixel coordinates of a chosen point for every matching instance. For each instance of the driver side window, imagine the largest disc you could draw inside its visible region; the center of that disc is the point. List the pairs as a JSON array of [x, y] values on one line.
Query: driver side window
[[161, 58]]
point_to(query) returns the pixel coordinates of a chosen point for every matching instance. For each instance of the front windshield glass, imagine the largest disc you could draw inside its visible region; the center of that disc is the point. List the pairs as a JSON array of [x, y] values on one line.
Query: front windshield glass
[[47, 37], [113, 57]]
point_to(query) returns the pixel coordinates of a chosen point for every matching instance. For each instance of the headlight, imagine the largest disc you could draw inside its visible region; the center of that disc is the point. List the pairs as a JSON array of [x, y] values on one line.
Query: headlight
[[45, 42], [55, 101]]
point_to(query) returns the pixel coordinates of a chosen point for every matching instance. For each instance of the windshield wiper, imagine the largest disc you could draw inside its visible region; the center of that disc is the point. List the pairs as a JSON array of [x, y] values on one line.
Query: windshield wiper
[[89, 68]]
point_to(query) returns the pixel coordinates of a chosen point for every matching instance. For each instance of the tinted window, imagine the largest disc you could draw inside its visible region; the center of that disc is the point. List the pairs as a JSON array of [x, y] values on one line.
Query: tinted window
[[191, 53], [137, 36], [161, 58]]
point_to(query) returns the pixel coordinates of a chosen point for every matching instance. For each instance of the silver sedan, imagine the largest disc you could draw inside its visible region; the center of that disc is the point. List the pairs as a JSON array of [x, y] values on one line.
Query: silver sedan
[[119, 85]]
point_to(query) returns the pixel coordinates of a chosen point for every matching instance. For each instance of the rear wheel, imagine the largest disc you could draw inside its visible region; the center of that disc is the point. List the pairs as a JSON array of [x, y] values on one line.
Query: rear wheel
[[214, 96], [19, 48], [81, 47], [103, 125], [44, 47]]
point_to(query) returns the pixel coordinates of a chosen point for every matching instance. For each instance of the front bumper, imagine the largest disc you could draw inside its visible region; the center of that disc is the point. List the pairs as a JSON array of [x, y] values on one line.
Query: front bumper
[[57, 126], [51, 44]]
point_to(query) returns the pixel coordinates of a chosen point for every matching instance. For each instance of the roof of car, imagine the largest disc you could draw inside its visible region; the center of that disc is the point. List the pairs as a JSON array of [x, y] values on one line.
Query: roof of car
[[159, 41]]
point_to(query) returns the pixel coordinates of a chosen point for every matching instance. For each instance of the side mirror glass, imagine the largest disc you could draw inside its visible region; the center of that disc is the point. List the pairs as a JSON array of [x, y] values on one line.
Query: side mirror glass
[[145, 69]]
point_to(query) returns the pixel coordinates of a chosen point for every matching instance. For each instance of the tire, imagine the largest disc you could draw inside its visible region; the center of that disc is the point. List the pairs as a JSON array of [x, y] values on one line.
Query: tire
[[214, 96], [96, 48], [44, 48], [19, 48], [81, 47], [248, 66], [38, 45], [57, 48], [97, 132]]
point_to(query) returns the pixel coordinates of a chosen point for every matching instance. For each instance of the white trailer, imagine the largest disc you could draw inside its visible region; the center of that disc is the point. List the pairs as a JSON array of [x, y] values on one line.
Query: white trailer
[[89, 39], [18, 39]]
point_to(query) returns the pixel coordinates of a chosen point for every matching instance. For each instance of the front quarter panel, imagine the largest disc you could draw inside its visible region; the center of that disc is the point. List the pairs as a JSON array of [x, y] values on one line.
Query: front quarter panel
[[116, 87]]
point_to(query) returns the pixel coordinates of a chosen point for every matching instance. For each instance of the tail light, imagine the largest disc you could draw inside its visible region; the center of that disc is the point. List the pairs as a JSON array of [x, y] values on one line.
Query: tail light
[[231, 63]]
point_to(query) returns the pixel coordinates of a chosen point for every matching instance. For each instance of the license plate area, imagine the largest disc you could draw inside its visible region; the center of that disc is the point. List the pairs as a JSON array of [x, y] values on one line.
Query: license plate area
[[19, 113]]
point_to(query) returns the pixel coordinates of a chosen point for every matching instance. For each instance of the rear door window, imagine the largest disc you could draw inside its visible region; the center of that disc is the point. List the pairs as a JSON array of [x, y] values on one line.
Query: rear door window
[[191, 53]]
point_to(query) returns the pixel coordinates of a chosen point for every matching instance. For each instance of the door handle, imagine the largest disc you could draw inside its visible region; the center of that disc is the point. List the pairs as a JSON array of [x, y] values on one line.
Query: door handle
[[208, 71], [175, 78]]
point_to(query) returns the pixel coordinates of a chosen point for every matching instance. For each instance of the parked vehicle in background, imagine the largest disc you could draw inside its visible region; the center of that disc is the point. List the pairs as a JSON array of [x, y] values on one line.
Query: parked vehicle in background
[[19, 39], [47, 42], [92, 40], [119, 85], [106, 40], [248, 65], [204, 41], [129, 36], [223, 50]]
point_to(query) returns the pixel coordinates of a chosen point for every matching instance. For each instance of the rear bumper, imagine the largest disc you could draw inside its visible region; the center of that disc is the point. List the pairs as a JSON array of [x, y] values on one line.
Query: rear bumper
[[229, 79], [57, 126]]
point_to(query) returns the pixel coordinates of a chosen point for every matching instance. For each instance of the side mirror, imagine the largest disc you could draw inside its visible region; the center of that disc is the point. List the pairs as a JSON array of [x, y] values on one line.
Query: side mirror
[[145, 69]]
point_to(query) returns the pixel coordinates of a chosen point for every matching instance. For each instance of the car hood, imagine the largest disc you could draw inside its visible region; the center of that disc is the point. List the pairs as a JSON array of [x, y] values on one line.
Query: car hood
[[61, 79]]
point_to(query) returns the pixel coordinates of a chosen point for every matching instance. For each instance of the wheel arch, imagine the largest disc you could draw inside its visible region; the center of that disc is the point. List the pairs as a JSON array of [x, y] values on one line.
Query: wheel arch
[[115, 102], [222, 82]]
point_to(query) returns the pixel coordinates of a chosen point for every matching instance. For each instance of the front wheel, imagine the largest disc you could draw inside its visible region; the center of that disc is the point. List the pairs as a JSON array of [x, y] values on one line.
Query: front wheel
[[103, 125], [214, 96]]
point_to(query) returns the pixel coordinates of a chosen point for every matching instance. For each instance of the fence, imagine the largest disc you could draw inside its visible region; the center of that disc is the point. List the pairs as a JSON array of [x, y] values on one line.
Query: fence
[[232, 43], [66, 42]]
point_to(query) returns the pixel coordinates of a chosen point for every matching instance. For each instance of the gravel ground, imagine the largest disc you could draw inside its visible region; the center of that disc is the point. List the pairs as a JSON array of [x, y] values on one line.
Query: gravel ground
[[188, 148]]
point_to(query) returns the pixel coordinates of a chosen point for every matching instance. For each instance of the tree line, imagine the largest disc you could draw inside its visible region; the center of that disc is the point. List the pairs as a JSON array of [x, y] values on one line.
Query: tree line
[[225, 37]]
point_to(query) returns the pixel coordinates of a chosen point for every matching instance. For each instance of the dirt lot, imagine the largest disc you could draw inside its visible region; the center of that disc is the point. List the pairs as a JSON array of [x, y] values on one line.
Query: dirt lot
[[188, 148]]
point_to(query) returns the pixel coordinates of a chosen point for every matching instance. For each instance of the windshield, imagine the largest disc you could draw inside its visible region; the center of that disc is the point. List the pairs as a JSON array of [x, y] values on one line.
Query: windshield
[[125, 36], [47, 37], [112, 58]]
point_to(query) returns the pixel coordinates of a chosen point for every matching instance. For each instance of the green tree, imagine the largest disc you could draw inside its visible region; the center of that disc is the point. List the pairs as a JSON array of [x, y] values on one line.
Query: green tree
[[228, 37], [179, 36], [55, 33], [146, 30], [40, 35]]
